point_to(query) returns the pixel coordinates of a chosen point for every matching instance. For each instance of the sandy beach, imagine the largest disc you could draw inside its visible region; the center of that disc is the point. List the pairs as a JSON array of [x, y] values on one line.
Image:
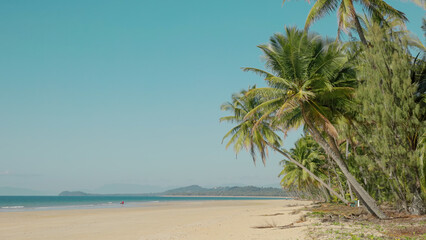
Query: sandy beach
[[201, 220]]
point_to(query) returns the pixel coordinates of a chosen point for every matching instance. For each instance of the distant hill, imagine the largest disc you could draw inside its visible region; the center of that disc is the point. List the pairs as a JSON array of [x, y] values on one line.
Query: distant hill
[[75, 193], [195, 190]]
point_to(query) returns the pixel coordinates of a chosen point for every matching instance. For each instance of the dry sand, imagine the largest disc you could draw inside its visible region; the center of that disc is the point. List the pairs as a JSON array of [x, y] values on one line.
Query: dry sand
[[201, 220]]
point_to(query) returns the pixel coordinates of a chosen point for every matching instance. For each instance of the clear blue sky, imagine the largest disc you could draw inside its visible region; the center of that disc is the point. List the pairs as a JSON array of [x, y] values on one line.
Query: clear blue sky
[[102, 92]]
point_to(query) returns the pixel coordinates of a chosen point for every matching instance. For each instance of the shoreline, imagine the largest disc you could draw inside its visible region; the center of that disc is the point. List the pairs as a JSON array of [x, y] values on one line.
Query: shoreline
[[49, 203], [216, 196], [197, 220]]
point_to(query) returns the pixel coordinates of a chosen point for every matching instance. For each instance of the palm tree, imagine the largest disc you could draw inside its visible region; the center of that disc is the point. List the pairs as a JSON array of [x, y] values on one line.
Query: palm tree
[[346, 13], [310, 82], [295, 180], [243, 135], [393, 26], [255, 133], [307, 153]]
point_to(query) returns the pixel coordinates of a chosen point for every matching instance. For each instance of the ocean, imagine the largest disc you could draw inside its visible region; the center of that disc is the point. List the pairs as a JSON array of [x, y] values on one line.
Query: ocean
[[40, 203]]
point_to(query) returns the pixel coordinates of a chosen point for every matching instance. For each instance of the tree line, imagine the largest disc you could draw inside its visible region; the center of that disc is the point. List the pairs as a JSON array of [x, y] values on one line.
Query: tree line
[[361, 104]]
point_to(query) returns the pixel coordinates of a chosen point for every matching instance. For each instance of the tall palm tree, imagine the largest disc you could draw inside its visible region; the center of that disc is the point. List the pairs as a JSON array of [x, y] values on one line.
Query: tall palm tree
[[346, 13], [255, 133], [310, 82]]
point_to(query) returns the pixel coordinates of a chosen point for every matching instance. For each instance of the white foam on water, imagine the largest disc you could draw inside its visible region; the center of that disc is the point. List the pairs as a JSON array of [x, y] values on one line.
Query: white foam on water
[[12, 207]]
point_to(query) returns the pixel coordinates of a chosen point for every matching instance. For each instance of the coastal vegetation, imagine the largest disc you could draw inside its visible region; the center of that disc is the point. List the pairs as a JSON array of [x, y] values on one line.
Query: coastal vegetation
[[361, 105], [195, 190]]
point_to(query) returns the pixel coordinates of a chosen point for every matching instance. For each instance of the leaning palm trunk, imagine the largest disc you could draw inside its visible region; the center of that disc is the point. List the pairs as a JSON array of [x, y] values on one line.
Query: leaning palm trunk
[[326, 194], [342, 191], [350, 190], [357, 24], [339, 196], [368, 201], [347, 182]]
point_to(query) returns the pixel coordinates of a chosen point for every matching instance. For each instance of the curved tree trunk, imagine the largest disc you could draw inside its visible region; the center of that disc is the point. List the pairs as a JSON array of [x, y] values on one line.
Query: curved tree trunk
[[357, 24], [368, 201], [340, 197], [326, 194], [347, 182], [350, 190], [342, 191]]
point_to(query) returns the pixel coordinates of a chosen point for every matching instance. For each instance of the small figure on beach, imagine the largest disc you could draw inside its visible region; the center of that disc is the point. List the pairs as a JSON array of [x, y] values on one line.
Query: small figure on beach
[[122, 203]]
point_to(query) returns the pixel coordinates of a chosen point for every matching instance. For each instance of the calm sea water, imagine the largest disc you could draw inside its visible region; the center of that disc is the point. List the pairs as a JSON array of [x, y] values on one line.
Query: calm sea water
[[37, 203]]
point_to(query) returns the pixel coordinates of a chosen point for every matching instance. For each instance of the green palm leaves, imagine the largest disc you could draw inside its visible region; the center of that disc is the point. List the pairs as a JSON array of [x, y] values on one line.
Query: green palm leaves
[[245, 135], [310, 82], [255, 133], [307, 153], [321, 84], [347, 15], [308, 78]]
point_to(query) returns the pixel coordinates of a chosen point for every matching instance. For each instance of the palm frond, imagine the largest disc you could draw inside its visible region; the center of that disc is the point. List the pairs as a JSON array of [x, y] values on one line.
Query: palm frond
[[320, 8]]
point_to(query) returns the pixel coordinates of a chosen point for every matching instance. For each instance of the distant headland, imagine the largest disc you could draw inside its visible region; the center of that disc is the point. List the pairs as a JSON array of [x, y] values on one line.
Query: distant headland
[[195, 190]]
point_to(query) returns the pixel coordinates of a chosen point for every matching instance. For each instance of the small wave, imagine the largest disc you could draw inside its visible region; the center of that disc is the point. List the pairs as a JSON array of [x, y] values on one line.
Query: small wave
[[59, 207], [12, 207]]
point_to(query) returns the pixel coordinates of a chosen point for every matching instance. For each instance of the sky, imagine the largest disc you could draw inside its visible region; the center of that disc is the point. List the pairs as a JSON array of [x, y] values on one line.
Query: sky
[[129, 92]]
